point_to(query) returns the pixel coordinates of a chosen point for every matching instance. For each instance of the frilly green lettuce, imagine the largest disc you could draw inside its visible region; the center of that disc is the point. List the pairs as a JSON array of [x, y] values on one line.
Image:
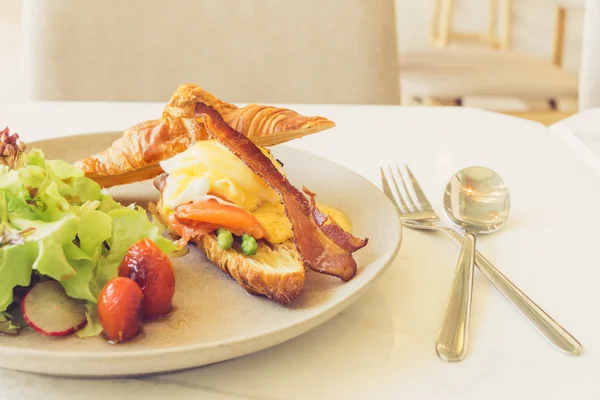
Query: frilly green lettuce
[[57, 223]]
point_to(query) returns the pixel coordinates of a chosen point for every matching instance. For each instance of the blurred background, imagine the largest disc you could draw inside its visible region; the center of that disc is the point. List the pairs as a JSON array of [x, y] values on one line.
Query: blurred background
[[520, 57]]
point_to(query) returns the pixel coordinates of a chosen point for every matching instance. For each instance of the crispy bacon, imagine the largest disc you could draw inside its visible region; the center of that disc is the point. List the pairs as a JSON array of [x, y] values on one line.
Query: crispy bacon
[[161, 181], [319, 252], [343, 239]]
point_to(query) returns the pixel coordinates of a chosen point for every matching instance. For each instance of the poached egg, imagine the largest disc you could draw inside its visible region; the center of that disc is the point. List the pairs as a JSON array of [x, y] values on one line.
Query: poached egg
[[208, 170]]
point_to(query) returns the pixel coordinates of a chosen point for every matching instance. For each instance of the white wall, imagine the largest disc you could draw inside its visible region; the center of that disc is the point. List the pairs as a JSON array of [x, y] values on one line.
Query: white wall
[[532, 31], [10, 57], [532, 28]]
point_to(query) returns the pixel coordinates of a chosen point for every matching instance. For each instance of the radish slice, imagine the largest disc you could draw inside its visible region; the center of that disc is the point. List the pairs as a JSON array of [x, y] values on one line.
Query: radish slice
[[49, 310]]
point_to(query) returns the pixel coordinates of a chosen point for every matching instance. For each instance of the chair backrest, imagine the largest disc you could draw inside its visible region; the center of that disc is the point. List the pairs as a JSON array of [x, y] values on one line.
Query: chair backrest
[[309, 51], [499, 25], [442, 33], [589, 75]]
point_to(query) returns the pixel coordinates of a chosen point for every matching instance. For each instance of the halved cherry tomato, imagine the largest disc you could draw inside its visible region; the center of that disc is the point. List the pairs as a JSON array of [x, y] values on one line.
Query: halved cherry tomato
[[119, 309], [152, 270], [233, 218]]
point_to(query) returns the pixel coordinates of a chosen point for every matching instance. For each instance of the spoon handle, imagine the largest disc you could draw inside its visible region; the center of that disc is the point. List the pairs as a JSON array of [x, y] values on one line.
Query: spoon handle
[[452, 338], [552, 330]]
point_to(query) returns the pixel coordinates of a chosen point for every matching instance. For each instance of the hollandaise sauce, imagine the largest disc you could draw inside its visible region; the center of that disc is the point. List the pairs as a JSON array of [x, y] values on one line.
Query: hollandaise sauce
[[208, 170]]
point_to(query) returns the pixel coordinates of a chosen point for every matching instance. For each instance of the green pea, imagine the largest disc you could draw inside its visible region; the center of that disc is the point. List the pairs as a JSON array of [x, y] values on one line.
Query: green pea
[[224, 238], [249, 245]]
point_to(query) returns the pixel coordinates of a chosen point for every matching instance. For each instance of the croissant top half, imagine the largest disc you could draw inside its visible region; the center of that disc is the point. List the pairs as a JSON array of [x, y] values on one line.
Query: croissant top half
[[135, 156]]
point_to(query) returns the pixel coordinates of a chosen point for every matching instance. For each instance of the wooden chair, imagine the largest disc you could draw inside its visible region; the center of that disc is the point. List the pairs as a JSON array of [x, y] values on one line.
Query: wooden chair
[[445, 75], [441, 26], [270, 51]]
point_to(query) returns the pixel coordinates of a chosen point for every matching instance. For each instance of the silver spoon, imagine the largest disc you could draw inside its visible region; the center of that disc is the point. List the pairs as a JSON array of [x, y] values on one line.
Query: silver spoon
[[477, 200]]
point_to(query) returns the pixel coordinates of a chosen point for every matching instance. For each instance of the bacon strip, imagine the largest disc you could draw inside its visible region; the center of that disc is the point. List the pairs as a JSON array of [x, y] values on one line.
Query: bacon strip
[[342, 238], [318, 251], [161, 181]]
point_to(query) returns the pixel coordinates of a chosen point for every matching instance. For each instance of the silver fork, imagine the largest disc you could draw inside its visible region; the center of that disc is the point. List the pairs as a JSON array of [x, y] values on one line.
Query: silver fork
[[416, 212]]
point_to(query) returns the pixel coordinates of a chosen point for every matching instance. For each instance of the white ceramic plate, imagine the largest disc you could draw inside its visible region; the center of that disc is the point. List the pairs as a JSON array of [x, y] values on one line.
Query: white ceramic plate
[[214, 319]]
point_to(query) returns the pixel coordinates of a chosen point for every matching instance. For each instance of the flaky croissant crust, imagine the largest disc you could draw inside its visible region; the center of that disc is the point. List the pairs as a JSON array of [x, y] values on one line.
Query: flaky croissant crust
[[281, 285], [135, 156], [282, 280]]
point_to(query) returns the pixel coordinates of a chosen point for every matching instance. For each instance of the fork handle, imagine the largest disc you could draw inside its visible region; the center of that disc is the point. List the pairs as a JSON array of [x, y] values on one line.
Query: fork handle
[[552, 330], [452, 338]]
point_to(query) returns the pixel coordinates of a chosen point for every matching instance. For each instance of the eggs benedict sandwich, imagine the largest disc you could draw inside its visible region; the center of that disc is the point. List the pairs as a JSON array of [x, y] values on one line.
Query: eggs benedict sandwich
[[232, 198]]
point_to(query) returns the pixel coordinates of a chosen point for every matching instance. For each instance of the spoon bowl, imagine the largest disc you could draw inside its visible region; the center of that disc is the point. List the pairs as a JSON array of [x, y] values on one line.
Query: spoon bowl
[[477, 200]]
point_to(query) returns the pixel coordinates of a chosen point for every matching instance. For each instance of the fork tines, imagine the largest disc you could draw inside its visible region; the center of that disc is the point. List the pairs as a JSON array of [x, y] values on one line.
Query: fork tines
[[404, 189]]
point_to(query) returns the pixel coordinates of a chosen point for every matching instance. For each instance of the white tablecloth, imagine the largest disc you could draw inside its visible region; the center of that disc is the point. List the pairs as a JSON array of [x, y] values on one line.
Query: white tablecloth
[[383, 345], [582, 133]]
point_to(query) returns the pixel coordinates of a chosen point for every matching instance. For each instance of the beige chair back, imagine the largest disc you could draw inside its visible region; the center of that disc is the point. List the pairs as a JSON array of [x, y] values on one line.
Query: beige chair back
[[272, 51]]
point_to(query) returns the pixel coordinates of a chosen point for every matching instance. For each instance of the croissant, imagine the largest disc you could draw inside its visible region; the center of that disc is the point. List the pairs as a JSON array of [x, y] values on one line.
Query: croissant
[[136, 155]]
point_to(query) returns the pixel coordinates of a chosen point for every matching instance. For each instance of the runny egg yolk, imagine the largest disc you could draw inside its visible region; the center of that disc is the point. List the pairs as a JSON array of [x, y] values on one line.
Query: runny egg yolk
[[209, 170]]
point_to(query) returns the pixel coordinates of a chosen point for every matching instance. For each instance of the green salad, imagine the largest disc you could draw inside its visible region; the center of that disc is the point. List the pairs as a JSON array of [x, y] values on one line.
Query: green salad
[[56, 224]]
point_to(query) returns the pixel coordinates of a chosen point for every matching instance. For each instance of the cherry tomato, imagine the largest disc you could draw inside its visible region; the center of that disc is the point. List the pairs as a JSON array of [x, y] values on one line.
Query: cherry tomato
[[151, 268], [119, 309]]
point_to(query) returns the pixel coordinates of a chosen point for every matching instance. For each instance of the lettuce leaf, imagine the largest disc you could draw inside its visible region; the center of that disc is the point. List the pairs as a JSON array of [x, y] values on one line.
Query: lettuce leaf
[[107, 203], [56, 222], [16, 263], [131, 225], [49, 238], [35, 158], [128, 226], [71, 183], [6, 324], [94, 228], [93, 327]]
